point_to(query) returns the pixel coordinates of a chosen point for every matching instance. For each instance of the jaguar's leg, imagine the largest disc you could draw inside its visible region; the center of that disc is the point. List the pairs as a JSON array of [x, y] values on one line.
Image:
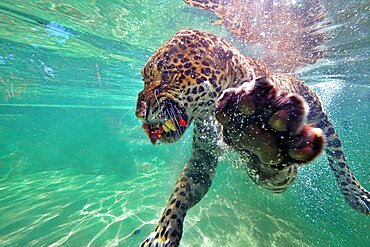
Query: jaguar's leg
[[268, 126], [193, 183]]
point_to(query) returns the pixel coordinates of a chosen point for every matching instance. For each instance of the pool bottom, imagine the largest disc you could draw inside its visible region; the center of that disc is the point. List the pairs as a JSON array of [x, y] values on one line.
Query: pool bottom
[[66, 208]]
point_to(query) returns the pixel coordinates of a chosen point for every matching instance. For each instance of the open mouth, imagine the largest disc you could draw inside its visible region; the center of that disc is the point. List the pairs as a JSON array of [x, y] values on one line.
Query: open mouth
[[168, 131], [165, 122]]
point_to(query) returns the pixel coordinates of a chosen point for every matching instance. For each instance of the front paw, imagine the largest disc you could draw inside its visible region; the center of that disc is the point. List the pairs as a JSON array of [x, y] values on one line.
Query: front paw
[[268, 124], [163, 236]]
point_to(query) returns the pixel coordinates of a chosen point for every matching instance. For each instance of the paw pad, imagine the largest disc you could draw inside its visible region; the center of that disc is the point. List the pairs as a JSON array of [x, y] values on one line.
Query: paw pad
[[269, 124]]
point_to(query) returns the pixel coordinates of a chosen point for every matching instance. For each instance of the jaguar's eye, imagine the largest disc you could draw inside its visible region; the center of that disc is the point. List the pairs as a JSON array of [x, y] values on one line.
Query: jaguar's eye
[[167, 77]]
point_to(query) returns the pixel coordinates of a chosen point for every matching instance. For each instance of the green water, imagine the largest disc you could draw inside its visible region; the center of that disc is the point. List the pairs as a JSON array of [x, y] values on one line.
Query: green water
[[76, 169]]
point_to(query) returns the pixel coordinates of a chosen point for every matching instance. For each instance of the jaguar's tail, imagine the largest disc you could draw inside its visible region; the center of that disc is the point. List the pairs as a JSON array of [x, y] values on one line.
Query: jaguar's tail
[[356, 195]]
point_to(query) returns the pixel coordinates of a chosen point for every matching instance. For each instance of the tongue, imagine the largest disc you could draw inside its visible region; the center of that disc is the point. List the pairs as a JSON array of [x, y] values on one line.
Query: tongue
[[153, 133], [158, 132]]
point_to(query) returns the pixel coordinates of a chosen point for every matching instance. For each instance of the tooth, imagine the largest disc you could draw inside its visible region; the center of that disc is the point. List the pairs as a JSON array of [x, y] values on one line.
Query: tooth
[[165, 128], [170, 125]]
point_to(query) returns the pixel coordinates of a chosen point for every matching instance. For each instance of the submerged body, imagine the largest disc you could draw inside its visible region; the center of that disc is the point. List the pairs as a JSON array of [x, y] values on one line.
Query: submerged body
[[184, 80]]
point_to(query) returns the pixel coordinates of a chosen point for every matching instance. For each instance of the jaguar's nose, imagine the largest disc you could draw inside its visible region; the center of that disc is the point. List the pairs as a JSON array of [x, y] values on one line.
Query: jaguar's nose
[[141, 110], [141, 107]]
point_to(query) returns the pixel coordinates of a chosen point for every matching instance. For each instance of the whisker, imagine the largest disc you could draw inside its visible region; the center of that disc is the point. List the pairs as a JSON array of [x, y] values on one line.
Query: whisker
[[127, 112], [135, 128], [136, 75], [175, 120], [133, 122], [186, 109]]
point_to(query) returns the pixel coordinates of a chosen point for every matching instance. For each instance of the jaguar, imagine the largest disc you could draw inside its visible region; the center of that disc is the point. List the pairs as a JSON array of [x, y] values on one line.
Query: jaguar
[[274, 121]]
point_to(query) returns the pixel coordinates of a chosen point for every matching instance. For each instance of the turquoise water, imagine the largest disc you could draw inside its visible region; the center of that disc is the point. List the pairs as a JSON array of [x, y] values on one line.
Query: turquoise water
[[76, 169]]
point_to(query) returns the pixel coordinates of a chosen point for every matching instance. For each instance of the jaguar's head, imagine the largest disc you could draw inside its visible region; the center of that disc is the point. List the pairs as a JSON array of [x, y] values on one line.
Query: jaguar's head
[[164, 117], [160, 106], [182, 81]]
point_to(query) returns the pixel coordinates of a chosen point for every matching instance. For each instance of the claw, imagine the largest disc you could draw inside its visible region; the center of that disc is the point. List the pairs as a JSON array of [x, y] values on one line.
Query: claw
[[222, 117], [310, 145], [279, 121], [301, 154], [246, 105]]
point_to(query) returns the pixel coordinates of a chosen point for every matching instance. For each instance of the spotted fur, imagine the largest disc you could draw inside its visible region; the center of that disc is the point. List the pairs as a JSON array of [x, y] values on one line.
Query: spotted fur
[[192, 69]]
